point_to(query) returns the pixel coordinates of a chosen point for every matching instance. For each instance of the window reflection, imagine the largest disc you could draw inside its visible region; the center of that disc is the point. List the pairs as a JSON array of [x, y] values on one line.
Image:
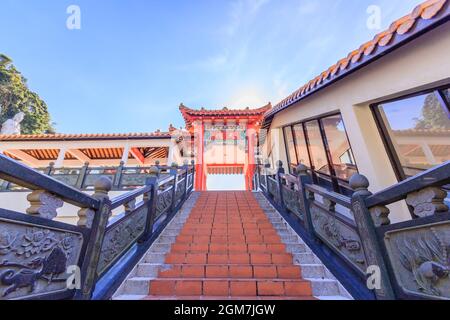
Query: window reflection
[[301, 147], [419, 129], [447, 95], [316, 147], [290, 147], [341, 153]]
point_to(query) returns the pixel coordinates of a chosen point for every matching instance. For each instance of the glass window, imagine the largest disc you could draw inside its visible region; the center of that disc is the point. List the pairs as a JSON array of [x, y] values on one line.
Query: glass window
[[316, 147], [290, 147], [447, 94], [301, 147], [341, 153], [419, 129]]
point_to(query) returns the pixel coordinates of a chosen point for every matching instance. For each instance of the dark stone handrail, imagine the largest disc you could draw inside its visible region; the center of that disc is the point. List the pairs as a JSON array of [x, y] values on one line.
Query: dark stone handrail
[[410, 258], [96, 247], [434, 177], [330, 195], [26, 177]]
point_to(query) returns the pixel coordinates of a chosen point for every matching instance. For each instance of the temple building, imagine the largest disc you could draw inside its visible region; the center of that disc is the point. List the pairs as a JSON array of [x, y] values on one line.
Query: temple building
[[347, 184]]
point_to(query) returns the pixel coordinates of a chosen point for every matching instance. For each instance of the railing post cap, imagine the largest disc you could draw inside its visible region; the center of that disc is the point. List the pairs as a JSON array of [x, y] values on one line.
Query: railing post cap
[[153, 170], [192, 162], [301, 169], [51, 164], [103, 185], [86, 164], [174, 165], [358, 182], [157, 162], [279, 164]]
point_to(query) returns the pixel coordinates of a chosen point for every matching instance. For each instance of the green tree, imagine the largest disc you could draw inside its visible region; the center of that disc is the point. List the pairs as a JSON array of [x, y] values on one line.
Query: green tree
[[15, 97], [433, 115]]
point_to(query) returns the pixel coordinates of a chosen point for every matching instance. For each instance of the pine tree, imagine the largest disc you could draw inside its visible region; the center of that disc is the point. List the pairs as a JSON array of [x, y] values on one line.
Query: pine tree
[[15, 97]]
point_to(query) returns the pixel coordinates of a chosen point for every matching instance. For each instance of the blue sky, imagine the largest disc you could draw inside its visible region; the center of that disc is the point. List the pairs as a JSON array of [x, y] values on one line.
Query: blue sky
[[133, 62]]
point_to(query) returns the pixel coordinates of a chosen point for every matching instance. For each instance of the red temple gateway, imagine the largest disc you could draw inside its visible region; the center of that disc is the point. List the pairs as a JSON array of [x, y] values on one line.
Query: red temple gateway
[[224, 141]]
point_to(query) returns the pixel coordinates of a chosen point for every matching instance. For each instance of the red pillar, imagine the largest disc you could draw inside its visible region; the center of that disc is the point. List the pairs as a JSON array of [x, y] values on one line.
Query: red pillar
[[251, 132], [200, 176]]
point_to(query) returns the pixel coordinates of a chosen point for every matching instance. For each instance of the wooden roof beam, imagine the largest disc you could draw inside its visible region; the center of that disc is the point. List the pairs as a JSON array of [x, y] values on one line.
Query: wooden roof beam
[[25, 157], [79, 155], [137, 154]]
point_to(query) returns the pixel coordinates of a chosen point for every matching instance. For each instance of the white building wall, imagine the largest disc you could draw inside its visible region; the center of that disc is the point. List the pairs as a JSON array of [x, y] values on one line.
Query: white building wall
[[419, 65]]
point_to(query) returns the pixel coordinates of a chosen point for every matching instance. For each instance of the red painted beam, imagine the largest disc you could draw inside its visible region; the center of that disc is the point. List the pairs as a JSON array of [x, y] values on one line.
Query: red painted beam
[[137, 155]]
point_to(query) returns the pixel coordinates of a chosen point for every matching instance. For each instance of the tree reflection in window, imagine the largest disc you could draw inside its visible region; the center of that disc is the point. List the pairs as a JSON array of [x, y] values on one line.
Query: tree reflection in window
[[300, 145], [419, 130], [290, 147], [341, 153], [316, 148]]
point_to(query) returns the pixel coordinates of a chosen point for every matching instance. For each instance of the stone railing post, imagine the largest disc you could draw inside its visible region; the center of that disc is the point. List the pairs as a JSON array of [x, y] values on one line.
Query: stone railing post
[[96, 221], [150, 199], [266, 173], [193, 174], [279, 172], [368, 235], [174, 173], [118, 176], [303, 179], [49, 170], [82, 176], [186, 176]]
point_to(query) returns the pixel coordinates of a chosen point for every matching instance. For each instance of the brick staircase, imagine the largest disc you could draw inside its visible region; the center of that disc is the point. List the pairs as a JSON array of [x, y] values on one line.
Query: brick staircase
[[229, 245]]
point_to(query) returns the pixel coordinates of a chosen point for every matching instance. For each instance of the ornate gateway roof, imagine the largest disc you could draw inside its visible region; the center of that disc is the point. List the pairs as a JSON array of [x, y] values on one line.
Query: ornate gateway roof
[[190, 115]]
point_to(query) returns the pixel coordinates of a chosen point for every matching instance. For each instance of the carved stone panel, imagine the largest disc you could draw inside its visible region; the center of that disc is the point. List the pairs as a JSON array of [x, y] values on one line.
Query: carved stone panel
[[91, 179], [291, 200], [70, 180], [273, 189], [163, 202], [181, 187], [134, 179], [34, 259], [420, 257], [120, 237], [341, 237]]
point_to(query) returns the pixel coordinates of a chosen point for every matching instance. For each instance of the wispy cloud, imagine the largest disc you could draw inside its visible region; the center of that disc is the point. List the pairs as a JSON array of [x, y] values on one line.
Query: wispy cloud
[[308, 7], [242, 12]]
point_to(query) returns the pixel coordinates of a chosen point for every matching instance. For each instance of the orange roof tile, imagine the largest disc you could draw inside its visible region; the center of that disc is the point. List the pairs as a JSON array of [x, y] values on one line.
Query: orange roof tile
[[425, 16], [105, 136]]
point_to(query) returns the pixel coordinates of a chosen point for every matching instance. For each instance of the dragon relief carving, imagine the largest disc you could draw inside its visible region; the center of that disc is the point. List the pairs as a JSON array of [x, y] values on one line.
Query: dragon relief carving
[[163, 202], [37, 254], [273, 189], [338, 236], [427, 258], [120, 237], [181, 187], [291, 199]]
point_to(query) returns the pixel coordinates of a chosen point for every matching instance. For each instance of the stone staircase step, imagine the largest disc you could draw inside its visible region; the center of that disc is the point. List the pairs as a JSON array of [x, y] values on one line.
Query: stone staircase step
[[219, 287], [232, 245], [233, 298]]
